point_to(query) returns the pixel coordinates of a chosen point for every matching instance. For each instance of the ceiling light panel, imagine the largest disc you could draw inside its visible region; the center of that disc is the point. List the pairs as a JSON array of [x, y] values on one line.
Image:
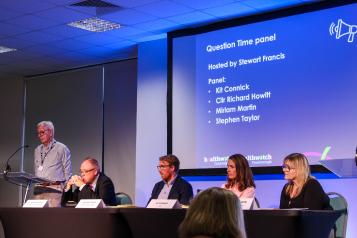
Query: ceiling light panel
[[4, 49], [95, 24]]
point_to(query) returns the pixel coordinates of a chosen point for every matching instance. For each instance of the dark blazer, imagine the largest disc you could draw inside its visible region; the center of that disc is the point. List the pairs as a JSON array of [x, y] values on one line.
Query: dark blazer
[[181, 190], [104, 189]]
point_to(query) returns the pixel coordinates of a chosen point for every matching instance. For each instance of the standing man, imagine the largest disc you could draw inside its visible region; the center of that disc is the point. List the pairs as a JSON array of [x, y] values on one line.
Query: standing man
[[52, 162], [172, 185], [91, 184]]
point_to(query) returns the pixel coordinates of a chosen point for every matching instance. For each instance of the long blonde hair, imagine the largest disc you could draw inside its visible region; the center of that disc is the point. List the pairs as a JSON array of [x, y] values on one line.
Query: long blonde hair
[[216, 213], [302, 168]]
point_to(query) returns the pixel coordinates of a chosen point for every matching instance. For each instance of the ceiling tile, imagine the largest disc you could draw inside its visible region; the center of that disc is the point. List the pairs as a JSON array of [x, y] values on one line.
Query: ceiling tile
[[32, 22], [6, 14], [41, 50], [193, 18], [98, 38], [39, 37], [12, 42], [72, 44], [131, 3], [128, 17], [158, 25], [26, 6], [11, 30], [231, 10], [62, 2], [151, 37], [120, 44], [204, 4], [66, 31], [164, 9], [126, 31], [63, 15], [269, 4]]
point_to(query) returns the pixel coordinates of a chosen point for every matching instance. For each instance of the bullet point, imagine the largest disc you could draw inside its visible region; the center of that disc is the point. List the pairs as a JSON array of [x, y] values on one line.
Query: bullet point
[[209, 111], [209, 122], [209, 101], [209, 91]]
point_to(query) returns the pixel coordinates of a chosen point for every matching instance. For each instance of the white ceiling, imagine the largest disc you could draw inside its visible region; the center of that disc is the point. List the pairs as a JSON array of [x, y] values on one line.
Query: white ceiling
[[38, 29]]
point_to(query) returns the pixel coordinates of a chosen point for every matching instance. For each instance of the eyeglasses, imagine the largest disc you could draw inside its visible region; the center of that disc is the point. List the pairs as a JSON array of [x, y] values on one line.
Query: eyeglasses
[[40, 133], [86, 171], [160, 167], [286, 167]]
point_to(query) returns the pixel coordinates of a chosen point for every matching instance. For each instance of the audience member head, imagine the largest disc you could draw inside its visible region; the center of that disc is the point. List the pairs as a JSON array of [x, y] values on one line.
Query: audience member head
[[214, 213], [89, 170], [168, 167], [45, 132], [239, 173]]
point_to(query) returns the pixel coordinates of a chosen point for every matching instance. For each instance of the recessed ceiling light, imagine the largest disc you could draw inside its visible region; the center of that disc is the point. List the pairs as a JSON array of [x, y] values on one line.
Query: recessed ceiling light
[[95, 24], [4, 49]]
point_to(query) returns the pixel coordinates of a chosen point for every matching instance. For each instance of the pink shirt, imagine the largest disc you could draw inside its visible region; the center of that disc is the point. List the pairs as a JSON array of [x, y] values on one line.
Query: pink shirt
[[246, 193]]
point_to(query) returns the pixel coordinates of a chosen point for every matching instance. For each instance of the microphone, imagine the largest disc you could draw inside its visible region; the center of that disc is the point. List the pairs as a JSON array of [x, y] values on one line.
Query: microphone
[[356, 156], [8, 168]]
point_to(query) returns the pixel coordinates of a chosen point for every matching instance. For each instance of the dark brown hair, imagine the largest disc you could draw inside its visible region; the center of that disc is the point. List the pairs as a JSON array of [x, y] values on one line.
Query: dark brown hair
[[216, 213], [244, 178]]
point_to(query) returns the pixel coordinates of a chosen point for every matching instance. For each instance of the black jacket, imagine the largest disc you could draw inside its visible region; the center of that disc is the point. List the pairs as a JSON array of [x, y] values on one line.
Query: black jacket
[[104, 189], [181, 190]]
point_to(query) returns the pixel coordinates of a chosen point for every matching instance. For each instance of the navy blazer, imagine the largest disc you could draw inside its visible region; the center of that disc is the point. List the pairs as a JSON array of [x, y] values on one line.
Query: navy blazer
[[104, 189], [181, 190]]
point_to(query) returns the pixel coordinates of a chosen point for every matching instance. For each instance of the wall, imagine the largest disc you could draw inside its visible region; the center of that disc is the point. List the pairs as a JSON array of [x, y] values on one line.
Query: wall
[[151, 116], [78, 102], [11, 108], [72, 100], [120, 124]]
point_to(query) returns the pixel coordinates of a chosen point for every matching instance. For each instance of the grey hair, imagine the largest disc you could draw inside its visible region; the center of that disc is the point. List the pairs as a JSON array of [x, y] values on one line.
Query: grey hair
[[47, 124]]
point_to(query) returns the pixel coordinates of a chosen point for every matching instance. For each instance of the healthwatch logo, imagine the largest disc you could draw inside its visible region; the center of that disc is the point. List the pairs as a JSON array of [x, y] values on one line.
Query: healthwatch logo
[[343, 29]]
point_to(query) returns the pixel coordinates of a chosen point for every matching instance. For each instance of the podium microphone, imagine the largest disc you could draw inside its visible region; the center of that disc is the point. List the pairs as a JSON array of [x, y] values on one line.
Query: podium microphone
[[8, 168]]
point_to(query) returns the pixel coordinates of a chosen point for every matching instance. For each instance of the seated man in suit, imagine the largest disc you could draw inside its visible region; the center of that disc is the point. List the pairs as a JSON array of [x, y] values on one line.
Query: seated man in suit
[[91, 184], [172, 185]]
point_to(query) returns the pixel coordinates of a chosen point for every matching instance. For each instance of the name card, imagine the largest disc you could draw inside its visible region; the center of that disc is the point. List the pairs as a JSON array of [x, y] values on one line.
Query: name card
[[40, 203], [90, 203], [246, 203], [164, 203]]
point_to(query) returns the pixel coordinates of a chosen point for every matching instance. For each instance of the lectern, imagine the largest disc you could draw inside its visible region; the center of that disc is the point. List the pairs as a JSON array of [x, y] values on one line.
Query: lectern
[[22, 179]]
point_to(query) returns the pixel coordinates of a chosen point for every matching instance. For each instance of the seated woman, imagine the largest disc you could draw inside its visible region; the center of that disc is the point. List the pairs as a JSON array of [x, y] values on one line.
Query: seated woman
[[239, 177], [302, 190], [213, 213]]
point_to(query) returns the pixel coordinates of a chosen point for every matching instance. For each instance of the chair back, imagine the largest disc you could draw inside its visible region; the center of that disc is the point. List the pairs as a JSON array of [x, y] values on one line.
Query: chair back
[[339, 203], [123, 198]]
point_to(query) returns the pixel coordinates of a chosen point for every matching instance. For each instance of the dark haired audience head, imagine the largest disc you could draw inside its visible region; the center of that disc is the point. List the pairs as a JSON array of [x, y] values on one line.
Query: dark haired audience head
[[239, 176], [302, 190], [214, 213]]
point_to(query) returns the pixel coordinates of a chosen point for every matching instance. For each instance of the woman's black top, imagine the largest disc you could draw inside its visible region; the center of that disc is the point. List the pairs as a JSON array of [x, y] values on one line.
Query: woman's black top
[[312, 196]]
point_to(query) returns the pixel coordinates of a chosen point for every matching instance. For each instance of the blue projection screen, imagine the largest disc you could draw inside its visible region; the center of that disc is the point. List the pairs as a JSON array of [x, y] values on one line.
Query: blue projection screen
[[267, 89]]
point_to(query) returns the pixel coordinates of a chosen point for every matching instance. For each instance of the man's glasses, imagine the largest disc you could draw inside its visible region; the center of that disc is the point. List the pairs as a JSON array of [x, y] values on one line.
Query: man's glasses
[[160, 167], [86, 171], [286, 167]]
